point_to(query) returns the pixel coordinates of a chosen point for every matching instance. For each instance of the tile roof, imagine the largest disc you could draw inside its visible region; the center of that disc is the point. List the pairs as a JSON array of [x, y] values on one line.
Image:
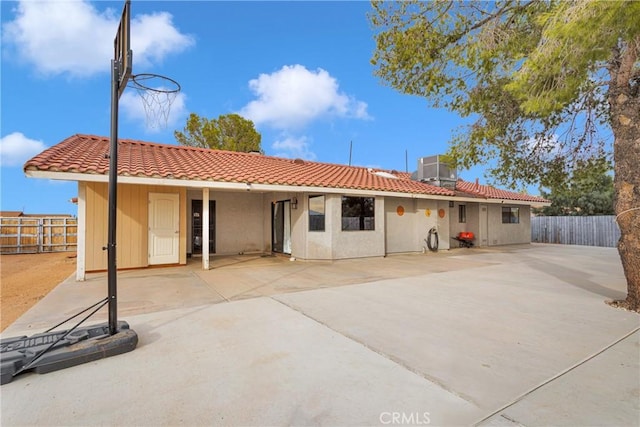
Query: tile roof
[[88, 154], [486, 191]]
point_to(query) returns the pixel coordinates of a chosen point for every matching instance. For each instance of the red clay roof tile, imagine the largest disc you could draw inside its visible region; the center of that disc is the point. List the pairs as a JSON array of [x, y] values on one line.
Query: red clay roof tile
[[88, 154], [479, 190]]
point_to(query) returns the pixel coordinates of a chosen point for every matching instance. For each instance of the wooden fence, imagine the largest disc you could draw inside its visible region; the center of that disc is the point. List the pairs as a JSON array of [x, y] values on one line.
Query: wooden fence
[[576, 230], [29, 235]]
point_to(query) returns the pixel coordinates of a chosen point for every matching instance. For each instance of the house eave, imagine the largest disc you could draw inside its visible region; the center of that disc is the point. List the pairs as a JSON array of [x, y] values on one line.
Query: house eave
[[257, 187]]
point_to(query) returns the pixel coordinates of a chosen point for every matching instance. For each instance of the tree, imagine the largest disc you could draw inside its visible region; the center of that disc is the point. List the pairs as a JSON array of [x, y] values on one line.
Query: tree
[[588, 191], [540, 83], [228, 132]]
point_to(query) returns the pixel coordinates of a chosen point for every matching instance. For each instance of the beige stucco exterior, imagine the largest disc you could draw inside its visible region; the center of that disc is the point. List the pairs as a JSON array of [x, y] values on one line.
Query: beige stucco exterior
[[471, 224], [243, 224], [407, 232], [508, 234], [239, 225]]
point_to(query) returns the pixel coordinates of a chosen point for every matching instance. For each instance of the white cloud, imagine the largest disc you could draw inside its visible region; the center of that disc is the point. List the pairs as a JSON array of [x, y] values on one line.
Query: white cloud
[[293, 147], [133, 107], [153, 37], [59, 37], [549, 145], [16, 149], [293, 96]]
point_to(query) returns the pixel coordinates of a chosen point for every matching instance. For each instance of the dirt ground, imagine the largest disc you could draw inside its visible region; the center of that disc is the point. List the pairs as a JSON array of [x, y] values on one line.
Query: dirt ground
[[27, 278]]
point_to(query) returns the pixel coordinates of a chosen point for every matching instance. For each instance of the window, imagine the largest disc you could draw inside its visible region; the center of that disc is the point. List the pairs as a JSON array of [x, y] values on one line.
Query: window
[[462, 214], [510, 215], [358, 213], [316, 213]]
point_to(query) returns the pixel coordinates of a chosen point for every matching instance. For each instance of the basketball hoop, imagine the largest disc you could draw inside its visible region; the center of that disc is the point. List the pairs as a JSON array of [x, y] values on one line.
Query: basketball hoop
[[157, 93]]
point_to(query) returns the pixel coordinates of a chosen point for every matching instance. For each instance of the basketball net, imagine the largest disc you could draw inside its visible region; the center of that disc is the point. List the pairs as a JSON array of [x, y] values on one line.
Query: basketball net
[[158, 94]]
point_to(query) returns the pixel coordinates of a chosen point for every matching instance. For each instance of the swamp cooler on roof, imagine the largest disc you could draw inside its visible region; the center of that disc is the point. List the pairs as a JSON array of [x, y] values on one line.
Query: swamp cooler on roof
[[435, 170]]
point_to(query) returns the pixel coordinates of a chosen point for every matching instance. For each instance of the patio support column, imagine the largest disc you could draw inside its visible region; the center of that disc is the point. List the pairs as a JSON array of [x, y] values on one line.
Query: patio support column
[[205, 228], [81, 231]]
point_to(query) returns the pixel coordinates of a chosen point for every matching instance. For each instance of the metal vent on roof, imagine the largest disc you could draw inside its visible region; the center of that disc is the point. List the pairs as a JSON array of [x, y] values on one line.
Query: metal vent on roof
[[435, 170]]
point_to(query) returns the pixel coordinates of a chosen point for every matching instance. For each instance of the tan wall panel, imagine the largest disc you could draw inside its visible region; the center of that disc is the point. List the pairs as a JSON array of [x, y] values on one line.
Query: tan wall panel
[[132, 224], [97, 221]]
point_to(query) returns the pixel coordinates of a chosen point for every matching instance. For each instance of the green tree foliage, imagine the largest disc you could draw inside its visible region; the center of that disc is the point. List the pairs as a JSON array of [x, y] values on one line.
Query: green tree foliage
[[228, 132], [542, 83], [588, 191]]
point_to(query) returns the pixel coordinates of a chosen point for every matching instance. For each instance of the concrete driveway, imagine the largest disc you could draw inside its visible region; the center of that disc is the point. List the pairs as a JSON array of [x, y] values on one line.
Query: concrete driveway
[[506, 336]]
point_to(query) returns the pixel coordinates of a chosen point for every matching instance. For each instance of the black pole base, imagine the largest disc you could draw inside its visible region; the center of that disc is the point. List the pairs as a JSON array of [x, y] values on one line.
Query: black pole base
[[86, 344]]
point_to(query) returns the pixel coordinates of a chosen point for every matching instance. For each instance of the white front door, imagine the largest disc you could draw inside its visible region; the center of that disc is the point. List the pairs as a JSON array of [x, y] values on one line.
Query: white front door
[[164, 228]]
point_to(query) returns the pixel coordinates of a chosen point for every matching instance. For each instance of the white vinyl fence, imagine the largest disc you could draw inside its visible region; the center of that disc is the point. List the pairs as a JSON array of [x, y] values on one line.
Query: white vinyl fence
[[575, 230]]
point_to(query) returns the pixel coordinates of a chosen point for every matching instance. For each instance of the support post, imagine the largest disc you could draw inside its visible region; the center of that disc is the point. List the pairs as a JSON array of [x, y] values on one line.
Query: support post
[[113, 205], [205, 228], [81, 232]]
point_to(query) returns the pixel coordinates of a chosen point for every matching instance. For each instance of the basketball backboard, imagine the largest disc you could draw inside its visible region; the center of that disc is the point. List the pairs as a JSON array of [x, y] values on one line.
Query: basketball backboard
[[122, 54]]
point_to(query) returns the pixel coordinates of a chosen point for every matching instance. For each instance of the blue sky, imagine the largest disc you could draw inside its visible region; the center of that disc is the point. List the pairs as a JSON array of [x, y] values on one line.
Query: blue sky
[[300, 70]]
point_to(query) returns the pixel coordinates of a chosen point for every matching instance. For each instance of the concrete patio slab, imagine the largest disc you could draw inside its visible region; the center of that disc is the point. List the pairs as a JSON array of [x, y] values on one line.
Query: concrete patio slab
[[601, 391], [485, 334], [253, 362], [501, 336]]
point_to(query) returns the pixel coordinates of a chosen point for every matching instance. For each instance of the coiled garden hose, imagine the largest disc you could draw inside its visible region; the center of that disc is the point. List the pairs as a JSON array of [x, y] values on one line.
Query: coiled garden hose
[[432, 239]]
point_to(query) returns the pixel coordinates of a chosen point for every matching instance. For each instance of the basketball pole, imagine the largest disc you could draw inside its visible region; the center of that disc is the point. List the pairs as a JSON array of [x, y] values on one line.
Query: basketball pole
[[120, 72], [51, 351], [112, 279]]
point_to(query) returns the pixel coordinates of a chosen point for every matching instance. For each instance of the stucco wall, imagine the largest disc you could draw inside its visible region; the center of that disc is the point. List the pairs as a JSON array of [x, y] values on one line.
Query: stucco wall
[[243, 225], [472, 224], [239, 225], [132, 224], [425, 219], [508, 234], [355, 244], [318, 244], [443, 224], [409, 232], [401, 217]]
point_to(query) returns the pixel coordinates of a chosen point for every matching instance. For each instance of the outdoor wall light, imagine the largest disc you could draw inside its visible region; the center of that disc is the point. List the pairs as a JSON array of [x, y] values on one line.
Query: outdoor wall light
[[451, 204], [294, 203]]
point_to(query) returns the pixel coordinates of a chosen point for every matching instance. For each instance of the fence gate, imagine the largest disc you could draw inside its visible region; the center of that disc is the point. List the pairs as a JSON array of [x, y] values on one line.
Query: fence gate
[[30, 235]]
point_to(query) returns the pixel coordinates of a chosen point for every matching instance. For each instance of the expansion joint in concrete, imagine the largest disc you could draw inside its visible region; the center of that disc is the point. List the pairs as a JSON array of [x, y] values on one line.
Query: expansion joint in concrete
[[389, 357]]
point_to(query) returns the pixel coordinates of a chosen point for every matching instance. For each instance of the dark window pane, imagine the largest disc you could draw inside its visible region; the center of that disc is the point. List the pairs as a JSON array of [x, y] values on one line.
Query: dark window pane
[[510, 215], [316, 213], [358, 213], [462, 213]]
